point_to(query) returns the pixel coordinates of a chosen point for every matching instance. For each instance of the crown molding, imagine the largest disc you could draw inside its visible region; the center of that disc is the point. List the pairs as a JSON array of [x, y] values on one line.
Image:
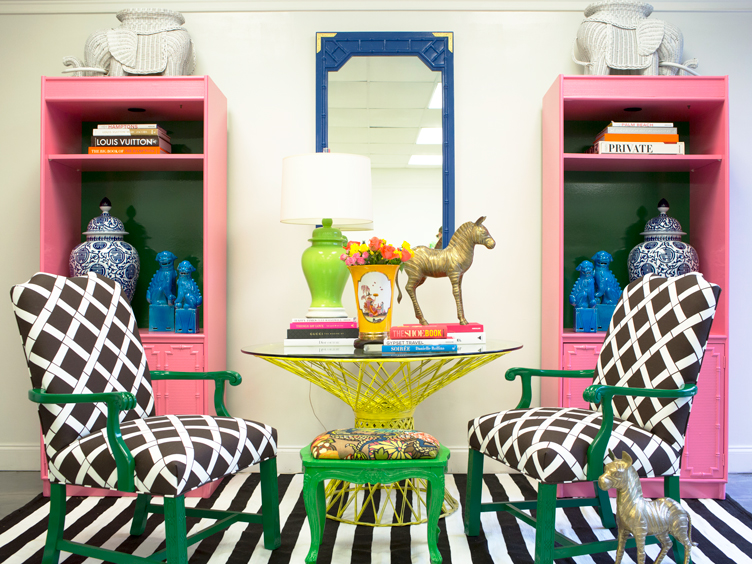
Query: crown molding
[[20, 7]]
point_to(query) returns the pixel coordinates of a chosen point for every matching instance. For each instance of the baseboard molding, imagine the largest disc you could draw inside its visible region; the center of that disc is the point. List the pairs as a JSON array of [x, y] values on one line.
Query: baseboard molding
[[740, 459], [20, 457]]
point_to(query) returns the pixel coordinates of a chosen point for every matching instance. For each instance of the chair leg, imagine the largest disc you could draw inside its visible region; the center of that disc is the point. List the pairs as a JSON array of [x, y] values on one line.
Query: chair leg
[[672, 489], [545, 524], [56, 524], [473, 492], [140, 514], [604, 507], [315, 505], [435, 499], [270, 504], [175, 530]]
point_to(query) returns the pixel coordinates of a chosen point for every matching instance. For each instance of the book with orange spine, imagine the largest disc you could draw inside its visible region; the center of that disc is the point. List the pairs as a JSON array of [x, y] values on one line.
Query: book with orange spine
[[639, 137]]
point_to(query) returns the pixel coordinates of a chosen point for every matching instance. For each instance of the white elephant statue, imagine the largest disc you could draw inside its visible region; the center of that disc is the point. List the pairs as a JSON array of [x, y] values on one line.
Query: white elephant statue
[[617, 37], [149, 41]]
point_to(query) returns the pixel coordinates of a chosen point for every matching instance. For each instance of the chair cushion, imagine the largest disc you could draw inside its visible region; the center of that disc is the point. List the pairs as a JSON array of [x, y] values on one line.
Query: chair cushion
[[374, 444], [173, 453], [656, 339], [550, 444], [79, 335]]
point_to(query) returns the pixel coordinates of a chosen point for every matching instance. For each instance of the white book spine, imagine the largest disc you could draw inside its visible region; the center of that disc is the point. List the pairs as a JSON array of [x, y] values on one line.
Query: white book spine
[[634, 148], [421, 341], [642, 124], [319, 342], [476, 337]]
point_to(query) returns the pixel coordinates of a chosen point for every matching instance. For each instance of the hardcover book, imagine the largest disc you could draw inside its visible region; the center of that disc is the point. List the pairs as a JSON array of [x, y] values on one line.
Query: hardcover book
[[639, 129], [641, 124], [469, 337], [324, 325], [130, 141], [420, 341], [128, 126], [318, 342], [127, 151], [450, 327], [351, 332], [624, 148], [323, 319], [418, 332], [130, 132], [650, 137], [410, 348]]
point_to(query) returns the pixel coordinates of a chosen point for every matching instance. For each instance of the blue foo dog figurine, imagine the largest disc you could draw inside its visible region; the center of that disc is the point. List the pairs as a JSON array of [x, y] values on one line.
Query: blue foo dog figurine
[[188, 299], [161, 294], [607, 289], [582, 297]]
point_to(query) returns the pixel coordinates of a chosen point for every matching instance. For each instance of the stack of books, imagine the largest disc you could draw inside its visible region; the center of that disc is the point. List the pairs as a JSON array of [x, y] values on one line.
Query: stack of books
[[440, 337], [638, 138], [129, 139], [322, 332]]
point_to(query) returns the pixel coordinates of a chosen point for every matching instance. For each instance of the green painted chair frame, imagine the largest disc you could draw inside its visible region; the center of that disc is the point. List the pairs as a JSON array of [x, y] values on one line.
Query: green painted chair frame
[[316, 470], [174, 508], [546, 536]]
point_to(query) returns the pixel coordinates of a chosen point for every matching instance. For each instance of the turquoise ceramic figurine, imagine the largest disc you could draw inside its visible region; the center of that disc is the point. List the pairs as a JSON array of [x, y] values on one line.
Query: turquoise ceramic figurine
[[582, 297], [161, 294], [607, 289], [188, 299]]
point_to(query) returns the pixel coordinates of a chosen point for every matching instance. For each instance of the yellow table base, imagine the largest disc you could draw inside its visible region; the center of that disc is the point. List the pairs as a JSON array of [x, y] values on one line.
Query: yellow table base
[[383, 393], [382, 505]]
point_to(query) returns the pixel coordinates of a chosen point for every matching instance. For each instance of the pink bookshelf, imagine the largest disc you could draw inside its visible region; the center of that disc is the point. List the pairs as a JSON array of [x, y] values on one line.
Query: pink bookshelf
[[70, 106], [575, 108]]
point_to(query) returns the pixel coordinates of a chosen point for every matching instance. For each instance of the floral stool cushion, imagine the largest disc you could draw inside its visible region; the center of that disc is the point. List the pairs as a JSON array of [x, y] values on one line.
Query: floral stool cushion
[[374, 444]]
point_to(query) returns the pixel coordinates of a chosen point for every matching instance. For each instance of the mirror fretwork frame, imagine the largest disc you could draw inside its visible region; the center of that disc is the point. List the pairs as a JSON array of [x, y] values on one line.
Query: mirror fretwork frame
[[333, 50]]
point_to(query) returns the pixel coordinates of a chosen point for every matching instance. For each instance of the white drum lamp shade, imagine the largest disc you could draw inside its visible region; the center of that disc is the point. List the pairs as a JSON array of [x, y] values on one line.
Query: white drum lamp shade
[[325, 189]]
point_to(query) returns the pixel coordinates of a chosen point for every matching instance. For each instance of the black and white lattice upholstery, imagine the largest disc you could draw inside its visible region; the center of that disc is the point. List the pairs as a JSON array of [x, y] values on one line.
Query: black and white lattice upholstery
[[173, 453], [656, 339], [80, 336]]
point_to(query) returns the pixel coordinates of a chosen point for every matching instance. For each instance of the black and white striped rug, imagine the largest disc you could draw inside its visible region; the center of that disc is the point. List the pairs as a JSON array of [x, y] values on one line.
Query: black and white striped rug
[[722, 529]]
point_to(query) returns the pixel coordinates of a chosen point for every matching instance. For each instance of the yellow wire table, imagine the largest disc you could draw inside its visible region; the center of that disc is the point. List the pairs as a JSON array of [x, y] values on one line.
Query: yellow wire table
[[383, 390]]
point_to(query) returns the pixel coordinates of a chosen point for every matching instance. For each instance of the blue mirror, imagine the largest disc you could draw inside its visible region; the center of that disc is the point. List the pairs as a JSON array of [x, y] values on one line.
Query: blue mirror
[[390, 96]]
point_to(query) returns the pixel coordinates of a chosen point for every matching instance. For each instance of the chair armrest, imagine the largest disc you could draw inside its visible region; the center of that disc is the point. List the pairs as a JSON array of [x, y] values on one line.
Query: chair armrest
[[116, 402], [219, 377], [526, 374], [600, 393]]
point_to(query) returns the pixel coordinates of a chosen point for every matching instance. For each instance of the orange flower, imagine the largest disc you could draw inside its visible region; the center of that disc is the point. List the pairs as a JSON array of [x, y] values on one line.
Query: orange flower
[[375, 243], [406, 255], [389, 252]]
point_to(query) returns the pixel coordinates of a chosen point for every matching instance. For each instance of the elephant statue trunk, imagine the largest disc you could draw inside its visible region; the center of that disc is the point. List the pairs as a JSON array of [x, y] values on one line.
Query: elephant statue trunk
[[617, 37], [149, 41]]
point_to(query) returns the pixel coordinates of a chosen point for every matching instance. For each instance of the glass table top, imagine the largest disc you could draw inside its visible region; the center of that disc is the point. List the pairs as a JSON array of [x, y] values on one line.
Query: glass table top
[[492, 346]]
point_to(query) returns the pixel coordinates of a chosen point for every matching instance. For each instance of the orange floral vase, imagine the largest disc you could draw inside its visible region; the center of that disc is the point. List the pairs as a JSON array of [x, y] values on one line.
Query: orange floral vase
[[374, 297]]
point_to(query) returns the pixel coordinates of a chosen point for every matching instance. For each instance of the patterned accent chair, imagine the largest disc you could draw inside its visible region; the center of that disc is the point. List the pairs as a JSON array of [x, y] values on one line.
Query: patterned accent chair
[[640, 401], [96, 406]]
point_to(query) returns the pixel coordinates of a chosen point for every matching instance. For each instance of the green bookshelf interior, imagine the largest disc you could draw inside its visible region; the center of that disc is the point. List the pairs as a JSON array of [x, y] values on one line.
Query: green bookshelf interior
[[607, 211]]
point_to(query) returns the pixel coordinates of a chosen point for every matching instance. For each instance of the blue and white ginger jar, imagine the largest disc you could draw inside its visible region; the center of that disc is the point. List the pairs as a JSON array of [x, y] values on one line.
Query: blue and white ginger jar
[[662, 253], [105, 252]]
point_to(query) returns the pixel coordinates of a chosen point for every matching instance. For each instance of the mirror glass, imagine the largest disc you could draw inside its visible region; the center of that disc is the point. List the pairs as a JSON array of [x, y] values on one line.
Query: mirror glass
[[389, 109], [390, 96]]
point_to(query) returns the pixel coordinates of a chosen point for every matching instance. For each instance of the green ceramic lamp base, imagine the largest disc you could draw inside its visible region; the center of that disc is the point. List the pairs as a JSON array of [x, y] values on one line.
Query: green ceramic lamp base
[[325, 273]]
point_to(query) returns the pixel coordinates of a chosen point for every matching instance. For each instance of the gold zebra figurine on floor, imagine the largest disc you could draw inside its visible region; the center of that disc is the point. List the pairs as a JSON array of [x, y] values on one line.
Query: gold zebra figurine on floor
[[642, 517], [452, 262]]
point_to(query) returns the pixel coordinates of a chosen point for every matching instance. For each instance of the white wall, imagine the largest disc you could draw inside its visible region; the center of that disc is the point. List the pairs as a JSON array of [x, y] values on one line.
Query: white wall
[[264, 63]]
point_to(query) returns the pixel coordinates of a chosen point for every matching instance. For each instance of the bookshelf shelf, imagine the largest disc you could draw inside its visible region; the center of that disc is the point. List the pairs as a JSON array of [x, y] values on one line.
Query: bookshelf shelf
[[633, 163], [601, 202], [175, 202], [118, 163]]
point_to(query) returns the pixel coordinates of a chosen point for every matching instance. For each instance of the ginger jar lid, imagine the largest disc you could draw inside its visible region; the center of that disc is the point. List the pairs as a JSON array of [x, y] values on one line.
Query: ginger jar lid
[[105, 224], [663, 224]]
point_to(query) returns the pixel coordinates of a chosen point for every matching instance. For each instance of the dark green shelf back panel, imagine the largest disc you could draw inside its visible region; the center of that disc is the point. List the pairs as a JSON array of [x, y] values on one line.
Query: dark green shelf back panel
[[162, 211], [607, 211], [186, 137], [579, 135]]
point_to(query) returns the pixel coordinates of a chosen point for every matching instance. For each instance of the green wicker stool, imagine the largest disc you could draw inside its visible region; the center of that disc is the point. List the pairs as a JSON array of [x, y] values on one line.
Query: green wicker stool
[[358, 469]]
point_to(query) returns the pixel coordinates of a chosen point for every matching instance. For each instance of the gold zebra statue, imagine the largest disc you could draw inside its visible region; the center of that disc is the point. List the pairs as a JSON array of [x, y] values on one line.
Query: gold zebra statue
[[451, 262], [641, 517]]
